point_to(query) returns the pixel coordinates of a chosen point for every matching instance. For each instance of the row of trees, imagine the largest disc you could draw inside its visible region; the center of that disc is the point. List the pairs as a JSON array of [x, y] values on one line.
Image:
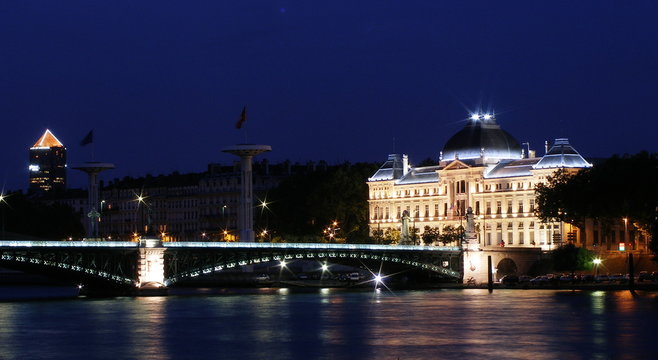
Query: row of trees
[[23, 217], [304, 206], [619, 188], [449, 235]]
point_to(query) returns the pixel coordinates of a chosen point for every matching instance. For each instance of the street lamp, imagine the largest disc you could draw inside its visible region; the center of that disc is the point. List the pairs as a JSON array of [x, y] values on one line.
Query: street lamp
[[3, 198], [597, 262]]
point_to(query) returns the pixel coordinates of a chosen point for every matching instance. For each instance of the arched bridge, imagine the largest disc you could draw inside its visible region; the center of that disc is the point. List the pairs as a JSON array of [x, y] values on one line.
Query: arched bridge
[[192, 259], [151, 261]]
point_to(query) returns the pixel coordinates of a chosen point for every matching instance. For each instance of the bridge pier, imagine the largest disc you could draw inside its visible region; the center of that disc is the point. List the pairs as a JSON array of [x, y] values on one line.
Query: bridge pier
[[150, 267]]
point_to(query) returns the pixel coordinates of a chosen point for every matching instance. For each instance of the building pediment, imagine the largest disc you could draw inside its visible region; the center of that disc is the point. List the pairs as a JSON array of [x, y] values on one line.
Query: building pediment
[[456, 165]]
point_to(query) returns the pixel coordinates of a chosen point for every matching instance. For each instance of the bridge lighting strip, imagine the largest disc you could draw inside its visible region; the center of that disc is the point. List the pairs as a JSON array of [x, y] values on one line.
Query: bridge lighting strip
[[309, 246], [111, 244]]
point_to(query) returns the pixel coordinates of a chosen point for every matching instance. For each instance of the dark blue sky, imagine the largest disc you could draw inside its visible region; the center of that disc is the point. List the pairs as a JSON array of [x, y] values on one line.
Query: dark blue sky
[[163, 82]]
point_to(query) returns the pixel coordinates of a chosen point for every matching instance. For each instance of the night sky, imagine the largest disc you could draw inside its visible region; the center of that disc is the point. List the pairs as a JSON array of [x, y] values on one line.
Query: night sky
[[162, 83]]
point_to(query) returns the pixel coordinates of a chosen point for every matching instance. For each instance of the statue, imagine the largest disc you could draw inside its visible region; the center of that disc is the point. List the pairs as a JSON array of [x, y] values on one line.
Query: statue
[[470, 235], [470, 221], [404, 230]]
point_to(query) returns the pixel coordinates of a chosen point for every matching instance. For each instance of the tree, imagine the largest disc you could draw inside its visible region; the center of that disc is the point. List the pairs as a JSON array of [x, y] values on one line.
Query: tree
[[391, 236], [24, 216], [571, 258], [619, 188], [430, 235], [449, 235], [304, 203]]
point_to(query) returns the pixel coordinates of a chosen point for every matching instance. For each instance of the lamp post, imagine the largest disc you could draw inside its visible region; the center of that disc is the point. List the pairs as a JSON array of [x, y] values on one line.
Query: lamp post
[[626, 237], [3, 198], [597, 262]]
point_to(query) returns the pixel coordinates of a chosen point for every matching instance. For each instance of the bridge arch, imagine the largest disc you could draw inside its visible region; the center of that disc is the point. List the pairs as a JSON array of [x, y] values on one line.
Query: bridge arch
[[85, 265], [188, 264]]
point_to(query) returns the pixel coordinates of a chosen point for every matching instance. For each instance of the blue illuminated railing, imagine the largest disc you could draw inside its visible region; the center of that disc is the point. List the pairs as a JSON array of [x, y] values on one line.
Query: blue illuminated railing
[[112, 244], [229, 245], [309, 246]]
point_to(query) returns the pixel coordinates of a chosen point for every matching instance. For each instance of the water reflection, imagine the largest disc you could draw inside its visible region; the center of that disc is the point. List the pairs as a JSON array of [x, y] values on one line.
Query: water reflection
[[330, 323], [147, 336]]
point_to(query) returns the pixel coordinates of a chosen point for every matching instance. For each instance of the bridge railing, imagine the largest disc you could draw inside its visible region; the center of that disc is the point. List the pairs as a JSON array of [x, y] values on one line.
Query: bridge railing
[[311, 246], [29, 243]]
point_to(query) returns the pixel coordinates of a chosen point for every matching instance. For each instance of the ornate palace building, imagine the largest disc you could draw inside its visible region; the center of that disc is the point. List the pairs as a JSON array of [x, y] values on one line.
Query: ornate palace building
[[485, 168]]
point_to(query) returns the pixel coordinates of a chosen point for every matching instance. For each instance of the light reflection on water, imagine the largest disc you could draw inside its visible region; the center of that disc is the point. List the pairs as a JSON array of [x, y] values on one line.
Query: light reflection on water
[[335, 324]]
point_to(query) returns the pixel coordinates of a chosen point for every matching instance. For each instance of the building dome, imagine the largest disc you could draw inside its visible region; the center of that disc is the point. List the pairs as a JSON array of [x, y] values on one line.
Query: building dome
[[483, 138]]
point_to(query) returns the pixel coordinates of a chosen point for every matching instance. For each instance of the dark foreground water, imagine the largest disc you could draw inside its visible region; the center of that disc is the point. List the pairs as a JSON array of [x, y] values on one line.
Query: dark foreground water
[[334, 324]]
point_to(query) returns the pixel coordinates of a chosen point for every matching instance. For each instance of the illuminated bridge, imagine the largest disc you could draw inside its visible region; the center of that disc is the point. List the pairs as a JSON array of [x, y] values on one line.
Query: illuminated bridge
[[150, 261]]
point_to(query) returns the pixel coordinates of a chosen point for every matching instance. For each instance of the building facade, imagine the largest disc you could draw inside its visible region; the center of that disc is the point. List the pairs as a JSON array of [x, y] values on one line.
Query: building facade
[[47, 165], [484, 168], [185, 207]]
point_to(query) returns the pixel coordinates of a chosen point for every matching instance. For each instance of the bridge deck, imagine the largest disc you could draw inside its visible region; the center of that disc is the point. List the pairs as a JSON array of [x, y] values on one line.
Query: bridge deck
[[230, 245]]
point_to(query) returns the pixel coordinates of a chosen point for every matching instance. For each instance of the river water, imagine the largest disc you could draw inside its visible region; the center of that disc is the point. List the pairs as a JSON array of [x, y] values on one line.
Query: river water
[[337, 324]]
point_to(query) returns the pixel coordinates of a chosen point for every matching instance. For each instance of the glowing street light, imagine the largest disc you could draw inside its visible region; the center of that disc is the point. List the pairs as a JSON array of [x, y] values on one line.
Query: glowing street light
[[475, 117], [3, 198], [282, 263], [597, 262], [378, 279], [325, 267]]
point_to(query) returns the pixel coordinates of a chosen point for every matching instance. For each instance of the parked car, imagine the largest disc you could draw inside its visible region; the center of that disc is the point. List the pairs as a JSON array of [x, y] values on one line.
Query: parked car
[[539, 280], [644, 276], [587, 278], [566, 279], [617, 278], [262, 277], [509, 280], [524, 279]]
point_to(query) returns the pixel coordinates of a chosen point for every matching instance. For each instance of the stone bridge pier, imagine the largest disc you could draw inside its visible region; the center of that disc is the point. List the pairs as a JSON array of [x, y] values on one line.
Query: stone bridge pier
[[503, 261], [150, 266]]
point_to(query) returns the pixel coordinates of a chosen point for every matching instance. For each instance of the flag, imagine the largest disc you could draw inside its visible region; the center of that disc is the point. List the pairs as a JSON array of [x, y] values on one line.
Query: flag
[[243, 118], [88, 139]]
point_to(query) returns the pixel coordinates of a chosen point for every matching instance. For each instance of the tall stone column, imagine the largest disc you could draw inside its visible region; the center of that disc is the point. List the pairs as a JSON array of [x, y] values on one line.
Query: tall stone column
[[246, 152], [93, 169]]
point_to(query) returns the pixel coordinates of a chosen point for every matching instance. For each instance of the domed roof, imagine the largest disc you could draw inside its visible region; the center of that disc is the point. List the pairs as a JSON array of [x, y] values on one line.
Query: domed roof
[[482, 137]]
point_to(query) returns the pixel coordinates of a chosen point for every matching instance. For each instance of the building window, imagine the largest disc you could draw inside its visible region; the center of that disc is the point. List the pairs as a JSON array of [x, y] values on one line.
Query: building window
[[427, 211], [387, 214], [417, 212], [488, 207], [499, 207], [460, 186], [521, 237], [436, 210], [399, 213], [520, 206], [532, 205], [445, 209], [509, 206], [477, 208]]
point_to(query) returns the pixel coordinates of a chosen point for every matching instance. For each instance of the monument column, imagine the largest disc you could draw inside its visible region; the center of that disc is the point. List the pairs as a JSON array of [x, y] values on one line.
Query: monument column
[[246, 152], [93, 169]]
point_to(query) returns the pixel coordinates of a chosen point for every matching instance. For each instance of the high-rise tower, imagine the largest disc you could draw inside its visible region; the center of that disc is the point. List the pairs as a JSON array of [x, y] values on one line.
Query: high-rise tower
[[47, 164]]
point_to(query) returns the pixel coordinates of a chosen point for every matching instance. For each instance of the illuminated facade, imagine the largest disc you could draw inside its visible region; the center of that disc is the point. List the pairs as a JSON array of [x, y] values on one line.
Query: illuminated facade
[[185, 207], [483, 167], [47, 165]]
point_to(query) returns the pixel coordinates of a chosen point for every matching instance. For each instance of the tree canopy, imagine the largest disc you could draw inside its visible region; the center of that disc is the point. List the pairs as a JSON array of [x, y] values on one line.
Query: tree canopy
[[619, 188], [304, 205], [24, 217]]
